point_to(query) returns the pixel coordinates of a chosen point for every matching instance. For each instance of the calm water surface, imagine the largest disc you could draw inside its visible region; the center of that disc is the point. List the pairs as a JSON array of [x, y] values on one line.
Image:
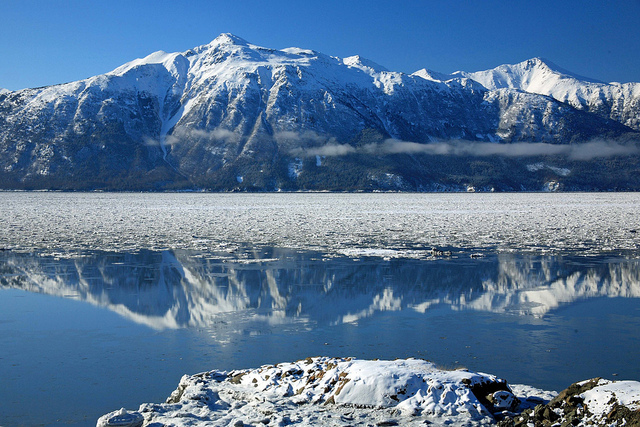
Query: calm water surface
[[106, 300]]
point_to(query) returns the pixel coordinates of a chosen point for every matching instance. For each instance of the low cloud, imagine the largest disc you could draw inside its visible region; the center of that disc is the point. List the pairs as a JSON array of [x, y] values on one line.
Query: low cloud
[[306, 138], [309, 144], [150, 142], [584, 151], [593, 149], [328, 150], [190, 134], [213, 135]]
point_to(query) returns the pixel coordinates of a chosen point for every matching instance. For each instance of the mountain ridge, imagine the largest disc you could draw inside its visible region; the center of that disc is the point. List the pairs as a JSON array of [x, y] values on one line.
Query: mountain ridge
[[617, 101], [230, 115]]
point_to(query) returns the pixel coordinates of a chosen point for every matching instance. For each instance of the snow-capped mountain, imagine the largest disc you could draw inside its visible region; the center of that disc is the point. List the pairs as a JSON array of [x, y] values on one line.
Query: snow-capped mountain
[[617, 101], [232, 115]]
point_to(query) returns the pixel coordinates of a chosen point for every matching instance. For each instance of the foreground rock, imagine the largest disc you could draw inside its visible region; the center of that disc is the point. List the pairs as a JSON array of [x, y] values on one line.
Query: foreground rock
[[326, 391], [594, 402], [337, 392]]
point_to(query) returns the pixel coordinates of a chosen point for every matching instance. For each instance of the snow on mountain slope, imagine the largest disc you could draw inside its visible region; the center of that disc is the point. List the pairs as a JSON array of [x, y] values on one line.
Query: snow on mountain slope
[[230, 112], [533, 75], [363, 63], [433, 75], [298, 90], [620, 102]]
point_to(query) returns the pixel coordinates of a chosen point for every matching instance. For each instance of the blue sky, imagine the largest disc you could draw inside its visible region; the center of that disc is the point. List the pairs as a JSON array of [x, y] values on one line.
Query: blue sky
[[56, 41]]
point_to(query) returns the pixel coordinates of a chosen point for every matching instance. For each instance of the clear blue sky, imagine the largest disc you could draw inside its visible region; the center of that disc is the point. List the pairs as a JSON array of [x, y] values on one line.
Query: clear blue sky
[[56, 41]]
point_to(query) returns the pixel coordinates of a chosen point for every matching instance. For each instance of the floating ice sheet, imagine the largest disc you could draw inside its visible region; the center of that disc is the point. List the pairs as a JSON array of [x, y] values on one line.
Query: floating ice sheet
[[464, 223]]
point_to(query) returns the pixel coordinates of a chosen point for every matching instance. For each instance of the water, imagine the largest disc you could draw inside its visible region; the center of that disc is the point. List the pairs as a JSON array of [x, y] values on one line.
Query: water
[[107, 299]]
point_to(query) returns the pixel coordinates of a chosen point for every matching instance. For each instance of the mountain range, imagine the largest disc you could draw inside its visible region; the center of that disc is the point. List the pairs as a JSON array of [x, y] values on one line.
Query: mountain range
[[233, 116]]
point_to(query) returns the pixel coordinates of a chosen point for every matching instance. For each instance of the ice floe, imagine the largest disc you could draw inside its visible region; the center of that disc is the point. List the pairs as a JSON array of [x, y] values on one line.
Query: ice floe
[[392, 224]]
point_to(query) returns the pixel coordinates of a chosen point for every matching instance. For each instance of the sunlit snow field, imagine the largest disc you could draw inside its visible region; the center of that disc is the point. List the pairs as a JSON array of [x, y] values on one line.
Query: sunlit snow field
[[106, 300]]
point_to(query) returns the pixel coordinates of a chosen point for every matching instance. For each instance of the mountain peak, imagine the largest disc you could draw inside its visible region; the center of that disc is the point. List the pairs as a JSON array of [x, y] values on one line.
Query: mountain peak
[[360, 62], [228, 39], [532, 75], [538, 63], [532, 65], [433, 75]]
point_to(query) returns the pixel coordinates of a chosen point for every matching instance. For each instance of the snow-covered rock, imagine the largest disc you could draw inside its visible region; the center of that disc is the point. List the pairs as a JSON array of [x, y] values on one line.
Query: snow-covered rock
[[326, 392], [597, 402], [323, 391]]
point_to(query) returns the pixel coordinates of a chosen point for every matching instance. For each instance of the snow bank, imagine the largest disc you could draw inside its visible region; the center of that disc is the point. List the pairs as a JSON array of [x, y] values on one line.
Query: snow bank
[[327, 391], [324, 391], [594, 402], [603, 397]]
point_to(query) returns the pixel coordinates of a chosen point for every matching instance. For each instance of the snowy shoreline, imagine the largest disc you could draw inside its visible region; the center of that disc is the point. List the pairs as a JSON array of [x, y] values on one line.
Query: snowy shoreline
[[326, 391]]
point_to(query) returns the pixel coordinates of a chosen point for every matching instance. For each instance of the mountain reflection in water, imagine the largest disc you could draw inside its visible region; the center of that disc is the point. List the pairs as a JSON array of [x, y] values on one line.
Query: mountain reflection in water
[[183, 289], [541, 320]]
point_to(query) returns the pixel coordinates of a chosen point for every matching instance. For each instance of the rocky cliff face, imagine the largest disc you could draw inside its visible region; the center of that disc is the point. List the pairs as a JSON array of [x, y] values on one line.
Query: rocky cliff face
[[234, 116]]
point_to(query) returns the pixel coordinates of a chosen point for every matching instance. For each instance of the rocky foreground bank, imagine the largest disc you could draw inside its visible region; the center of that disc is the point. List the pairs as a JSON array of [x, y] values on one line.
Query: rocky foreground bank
[[325, 391]]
